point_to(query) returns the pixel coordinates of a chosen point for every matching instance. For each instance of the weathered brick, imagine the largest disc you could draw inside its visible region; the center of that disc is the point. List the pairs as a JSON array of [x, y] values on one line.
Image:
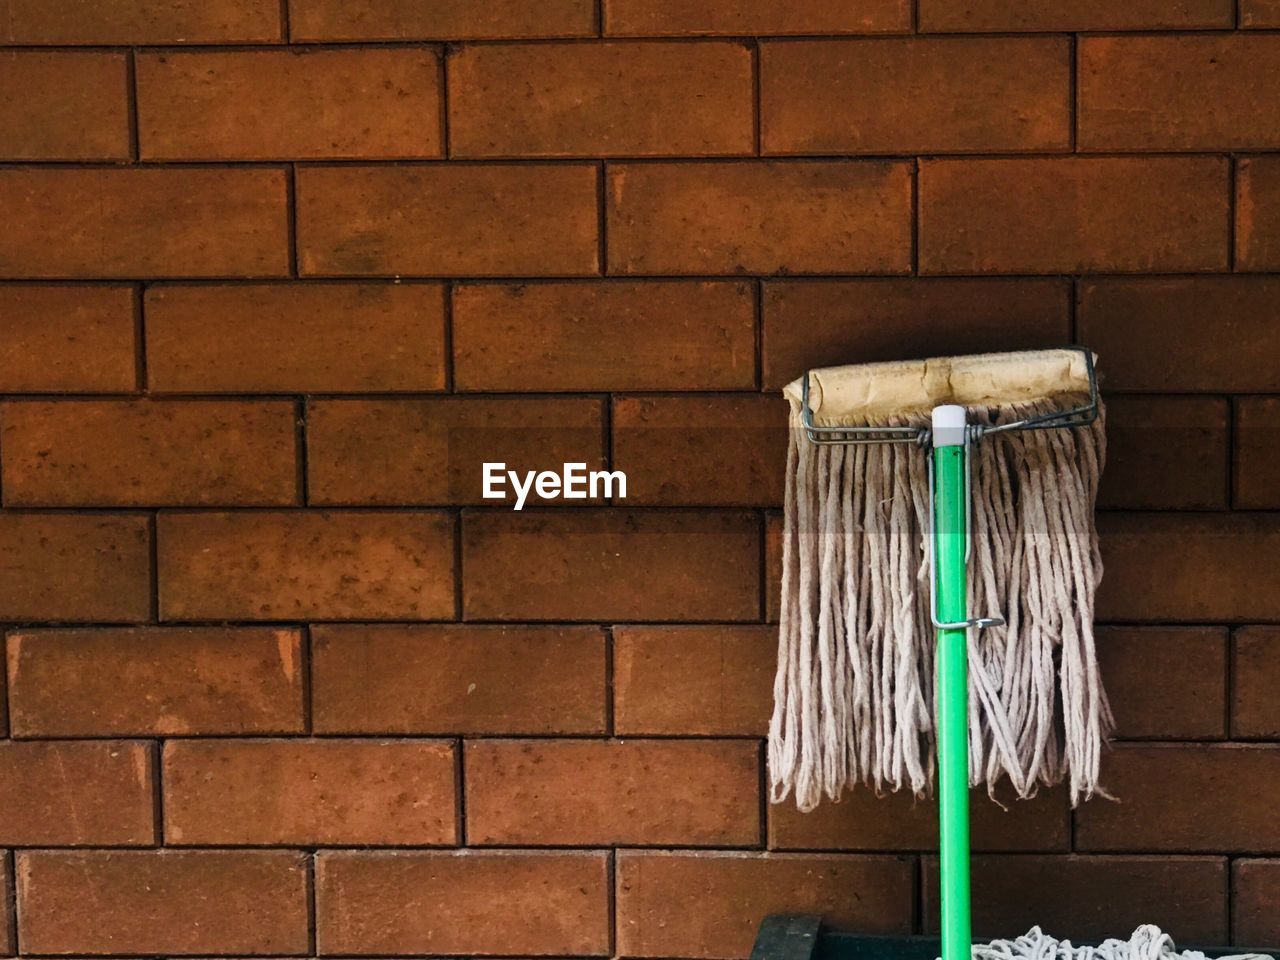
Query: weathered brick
[[439, 20], [1074, 214], [984, 16], [1185, 799], [67, 339], [463, 902], [610, 564], [646, 18], [735, 891], [1165, 682], [822, 323], [899, 821], [124, 22], [143, 222], [760, 217], [289, 104], [177, 903], [457, 679], [1212, 334], [67, 453], [155, 681], [612, 335], [1258, 213], [609, 792], [309, 792], [1255, 671], [1190, 566], [1257, 462], [601, 99], [773, 529], [1155, 92], [64, 106], [7, 942], [74, 792], [106, 557], [915, 95], [326, 565], [296, 338], [713, 680], [1166, 453], [1255, 891], [433, 450], [1092, 897], [1260, 13], [441, 220], [706, 449]]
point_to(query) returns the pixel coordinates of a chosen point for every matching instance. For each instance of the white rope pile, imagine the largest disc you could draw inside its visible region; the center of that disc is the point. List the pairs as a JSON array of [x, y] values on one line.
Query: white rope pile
[[854, 692], [1147, 943]]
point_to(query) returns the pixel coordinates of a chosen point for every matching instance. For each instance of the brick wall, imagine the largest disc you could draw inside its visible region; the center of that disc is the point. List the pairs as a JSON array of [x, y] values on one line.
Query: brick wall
[[275, 279]]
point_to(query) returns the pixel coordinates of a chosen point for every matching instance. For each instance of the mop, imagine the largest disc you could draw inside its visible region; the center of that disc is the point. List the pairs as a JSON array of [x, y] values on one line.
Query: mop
[[918, 491]]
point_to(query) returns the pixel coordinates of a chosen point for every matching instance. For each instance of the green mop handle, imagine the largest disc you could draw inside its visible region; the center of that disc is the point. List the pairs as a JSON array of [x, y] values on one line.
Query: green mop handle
[[949, 512]]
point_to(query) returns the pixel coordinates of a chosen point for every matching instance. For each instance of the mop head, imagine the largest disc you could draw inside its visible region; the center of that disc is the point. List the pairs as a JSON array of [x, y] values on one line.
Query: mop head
[[854, 693], [1147, 943]]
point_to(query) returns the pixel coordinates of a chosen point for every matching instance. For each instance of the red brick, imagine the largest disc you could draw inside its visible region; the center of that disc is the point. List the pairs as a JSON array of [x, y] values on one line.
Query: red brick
[[64, 106], [1255, 672], [610, 564], [1211, 334], [1196, 567], [155, 681], [900, 821], [106, 557], [296, 338], [760, 217], [1150, 93], [457, 679], [1165, 682], [916, 94], [983, 16], [601, 99], [1260, 13], [1091, 898], [735, 891], [1074, 214], [178, 903], [442, 220], [143, 222], [773, 529], [126, 22], [74, 792], [1258, 213], [463, 902], [1166, 453], [705, 449], [433, 450], [7, 942], [1255, 889], [822, 323], [67, 339], [609, 792], [289, 104], [334, 565], [1185, 799], [68, 453], [1257, 462], [309, 792], [746, 17], [613, 335], [439, 20], [715, 680]]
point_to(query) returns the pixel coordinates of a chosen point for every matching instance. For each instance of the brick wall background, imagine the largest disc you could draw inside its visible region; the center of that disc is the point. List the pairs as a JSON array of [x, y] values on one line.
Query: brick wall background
[[278, 277]]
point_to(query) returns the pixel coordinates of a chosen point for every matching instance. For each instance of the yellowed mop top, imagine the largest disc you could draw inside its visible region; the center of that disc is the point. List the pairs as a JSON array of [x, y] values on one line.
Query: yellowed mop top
[[849, 395]]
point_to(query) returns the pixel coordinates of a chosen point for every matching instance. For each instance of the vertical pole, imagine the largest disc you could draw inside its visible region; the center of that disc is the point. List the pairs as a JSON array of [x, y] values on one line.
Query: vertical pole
[[953, 681]]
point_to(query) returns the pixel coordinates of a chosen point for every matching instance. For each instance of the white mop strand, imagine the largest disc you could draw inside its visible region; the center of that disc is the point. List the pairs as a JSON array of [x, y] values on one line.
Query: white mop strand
[[1147, 943], [854, 692]]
